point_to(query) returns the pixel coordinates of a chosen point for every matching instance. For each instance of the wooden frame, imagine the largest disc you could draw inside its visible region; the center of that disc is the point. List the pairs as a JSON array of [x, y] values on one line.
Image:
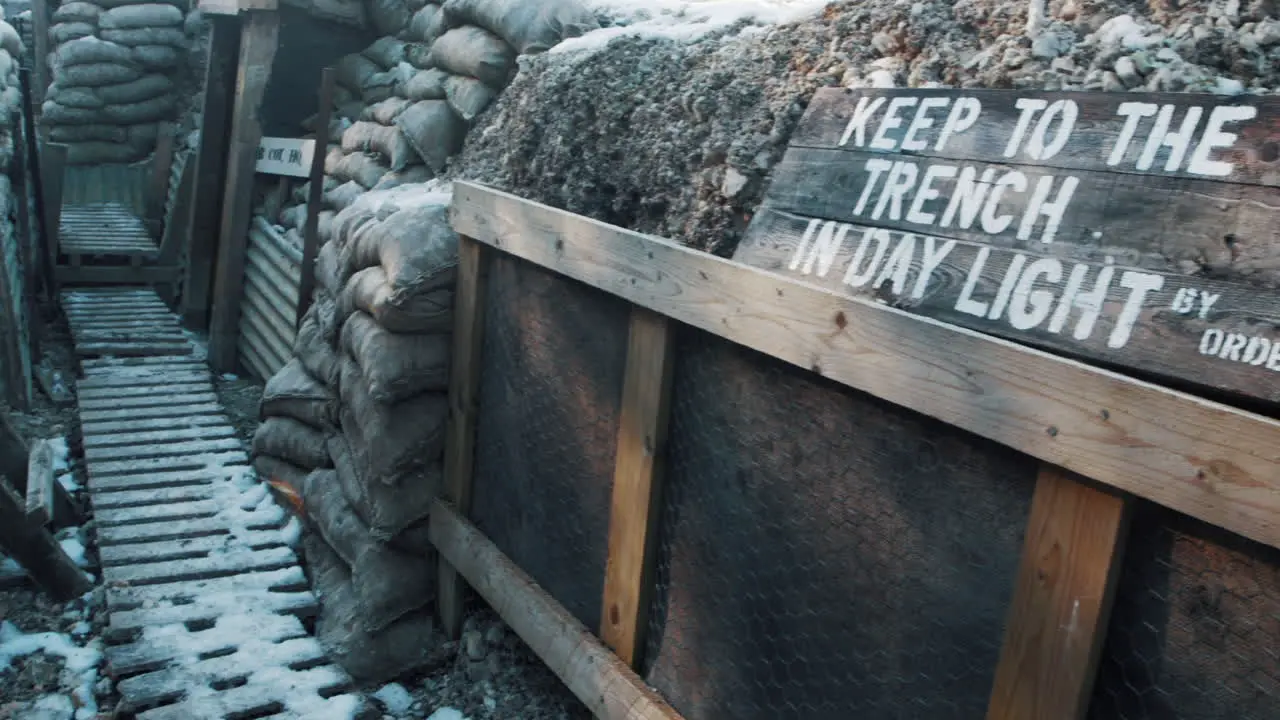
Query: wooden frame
[[1101, 436], [315, 194]]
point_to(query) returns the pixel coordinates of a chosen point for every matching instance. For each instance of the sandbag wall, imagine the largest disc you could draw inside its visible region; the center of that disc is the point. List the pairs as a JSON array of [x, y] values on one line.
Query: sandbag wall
[[353, 427], [15, 328], [116, 69]]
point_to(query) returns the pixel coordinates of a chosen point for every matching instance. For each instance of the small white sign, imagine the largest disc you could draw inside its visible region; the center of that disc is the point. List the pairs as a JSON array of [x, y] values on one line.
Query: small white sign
[[285, 156]]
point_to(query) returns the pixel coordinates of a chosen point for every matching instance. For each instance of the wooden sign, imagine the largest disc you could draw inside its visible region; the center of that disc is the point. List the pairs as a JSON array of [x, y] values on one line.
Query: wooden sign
[[285, 156], [1131, 229]]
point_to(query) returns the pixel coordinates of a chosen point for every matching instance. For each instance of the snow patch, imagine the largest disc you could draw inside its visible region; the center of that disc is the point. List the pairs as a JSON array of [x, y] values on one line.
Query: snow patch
[[684, 20], [395, 698], [80, 664], [447, 713]]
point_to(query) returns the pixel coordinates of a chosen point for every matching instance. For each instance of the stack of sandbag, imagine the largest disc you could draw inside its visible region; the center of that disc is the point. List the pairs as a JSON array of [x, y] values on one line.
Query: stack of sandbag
[[116, 67], [375, 350], [11, 51]]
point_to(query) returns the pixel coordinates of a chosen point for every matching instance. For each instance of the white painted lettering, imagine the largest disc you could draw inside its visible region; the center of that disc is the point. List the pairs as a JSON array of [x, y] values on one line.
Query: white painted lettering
[[1215, 137], [962, 117], [965, 303], [857, 127], [1063, 111], [927, 193], [1256, 352], [1052, 211], [1089, 304], [1184, 301], [854, 277], [1011, 275], [825, 248], [969, 197], [933, 257], [1207, 300], [1177, 142], [875, 167], [995, 224], [1231, 348], [901, 179], [1031, 307], [898, 265], [1029, 108], [922, 121], [1132, 112], [891, 121], [1273, 360], [1211, 341], [798, 255], [1139, 284]]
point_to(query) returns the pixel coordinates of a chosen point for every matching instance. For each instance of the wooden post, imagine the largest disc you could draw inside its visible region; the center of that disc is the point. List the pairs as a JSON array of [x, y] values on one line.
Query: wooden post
[[315, 194], [53, 166], [35, 168], [464, 387], [257, 50], [39, 51], [40, 504], [637, 484], [31, 259], [202, 219], [1062, 600], [158, 183], [36, 550], [16, 360], [609, 689], [15, 464]]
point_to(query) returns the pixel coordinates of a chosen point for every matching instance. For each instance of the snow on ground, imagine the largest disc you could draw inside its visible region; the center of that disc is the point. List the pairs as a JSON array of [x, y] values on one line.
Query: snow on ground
[[79, 671], [684, 20]]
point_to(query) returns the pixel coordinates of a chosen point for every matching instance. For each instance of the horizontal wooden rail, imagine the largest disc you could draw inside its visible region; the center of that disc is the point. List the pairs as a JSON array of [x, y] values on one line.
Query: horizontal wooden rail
[[603, 682], [1205, 459]]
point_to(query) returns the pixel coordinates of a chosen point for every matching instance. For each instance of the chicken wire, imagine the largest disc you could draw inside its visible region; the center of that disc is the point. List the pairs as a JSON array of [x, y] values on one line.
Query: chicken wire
[[1195, 629], [825, 555], [551, 386]]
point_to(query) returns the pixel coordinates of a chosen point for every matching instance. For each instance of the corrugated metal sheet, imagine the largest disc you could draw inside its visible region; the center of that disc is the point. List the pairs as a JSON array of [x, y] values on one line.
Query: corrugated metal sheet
[[269, 308]]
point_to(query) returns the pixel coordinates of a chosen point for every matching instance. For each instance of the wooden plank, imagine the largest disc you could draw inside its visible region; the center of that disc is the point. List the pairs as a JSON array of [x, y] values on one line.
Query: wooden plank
[[122, 275], [1072, 229], [1099, 125], [464, 389], [609, 689], [257, 49], [40, 16], [157, 190], [35, 550], [31, 138], [20, 176], [1057, 624], [1201, 458], [202, 220], [637, 485], [315, 196], [53, 165], [40, 483]]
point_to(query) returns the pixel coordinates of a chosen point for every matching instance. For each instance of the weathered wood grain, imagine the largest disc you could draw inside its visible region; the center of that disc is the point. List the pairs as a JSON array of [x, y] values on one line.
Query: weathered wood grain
[[315, 196], [40, 483], [1071, 559], [1201, 458], [1255, 154], [1162, 339], [34, 548]]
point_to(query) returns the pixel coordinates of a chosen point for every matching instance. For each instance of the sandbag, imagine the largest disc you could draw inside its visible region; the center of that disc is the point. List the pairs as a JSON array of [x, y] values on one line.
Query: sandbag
[[409, 176], [96, 152], [427, 85], [367, 290], [389, 584], [418, 55], [473, 51], [427, 24], [342, 196], [97, 75], [273, 468], [83, 133], [387, 508], [410, 643], [294, 216], [396, 366], [77, 12], [293, 441], [353, 71], [157, 57], [317, 354], [91, 51], [385, 112], [416, 247], [144, 135], [293, 393], [529, 27], [75, 97], [358, 167], [147, 111], [140, 16], [10, 40], [324, 228], [391, 439], [390, 17], [434, 130], [327, 274], [387, 52], [468, 96], [144, 88], [386, 140], [337, 125], [387, 81], [138, 37], [68, 31], [108, 4], [56, 114]]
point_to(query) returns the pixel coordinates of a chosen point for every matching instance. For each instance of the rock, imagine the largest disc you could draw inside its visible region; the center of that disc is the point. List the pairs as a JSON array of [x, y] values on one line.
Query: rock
[[1127, 73], [1112, 83], [495, 635], [734, 183], [395, 698], [1267, 32], [473, 645], [1047, 46]]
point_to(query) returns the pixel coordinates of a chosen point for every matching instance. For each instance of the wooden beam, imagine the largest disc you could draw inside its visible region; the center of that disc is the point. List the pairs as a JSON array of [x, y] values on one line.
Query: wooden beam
[[158, 183], [32, 259], [53, 164], [315, 195], [637, 484], [15, 464], [117, 274], [48, 254], [609, 689], [202, 219], [1201, 458], [257, 50], [40, 16], [1066, 582], [40, 483], [36, 550], [464, 389]]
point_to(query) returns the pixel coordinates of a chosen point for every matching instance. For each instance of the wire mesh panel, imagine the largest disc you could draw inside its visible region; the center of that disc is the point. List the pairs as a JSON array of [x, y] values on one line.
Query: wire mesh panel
[[554, 356], [1195, 630], [824, 555]]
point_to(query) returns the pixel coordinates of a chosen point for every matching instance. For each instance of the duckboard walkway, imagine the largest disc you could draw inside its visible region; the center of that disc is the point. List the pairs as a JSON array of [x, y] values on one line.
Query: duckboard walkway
[[204, 593]]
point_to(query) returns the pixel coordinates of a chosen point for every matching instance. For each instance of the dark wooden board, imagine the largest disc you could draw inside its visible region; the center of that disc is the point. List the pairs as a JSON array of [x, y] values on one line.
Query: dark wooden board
[[1255, 154], [1192, 259]]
